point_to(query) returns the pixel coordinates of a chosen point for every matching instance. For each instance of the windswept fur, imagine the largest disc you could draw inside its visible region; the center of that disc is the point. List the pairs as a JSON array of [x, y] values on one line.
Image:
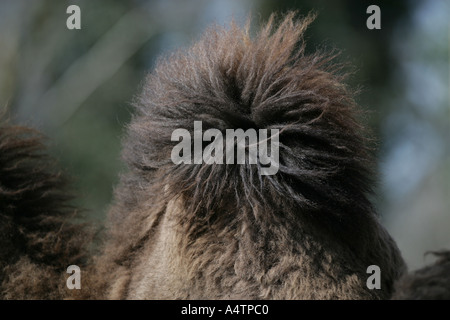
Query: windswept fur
[[37, 238], [429, 283], [225, 231]]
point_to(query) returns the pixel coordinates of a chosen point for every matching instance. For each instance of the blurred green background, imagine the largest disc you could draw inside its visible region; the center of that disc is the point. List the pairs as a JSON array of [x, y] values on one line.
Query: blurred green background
[[76, 86]]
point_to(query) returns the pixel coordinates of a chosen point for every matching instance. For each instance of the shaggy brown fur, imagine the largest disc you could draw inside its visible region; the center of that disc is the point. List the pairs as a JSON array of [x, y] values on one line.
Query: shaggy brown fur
[[429, 283], [37, 238], [225, 231]]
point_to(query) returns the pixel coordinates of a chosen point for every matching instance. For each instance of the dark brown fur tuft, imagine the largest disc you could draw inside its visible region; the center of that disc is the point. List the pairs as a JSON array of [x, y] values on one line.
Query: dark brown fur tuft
[[429, 283], [226, 231], [38, 239], [228, 81]]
